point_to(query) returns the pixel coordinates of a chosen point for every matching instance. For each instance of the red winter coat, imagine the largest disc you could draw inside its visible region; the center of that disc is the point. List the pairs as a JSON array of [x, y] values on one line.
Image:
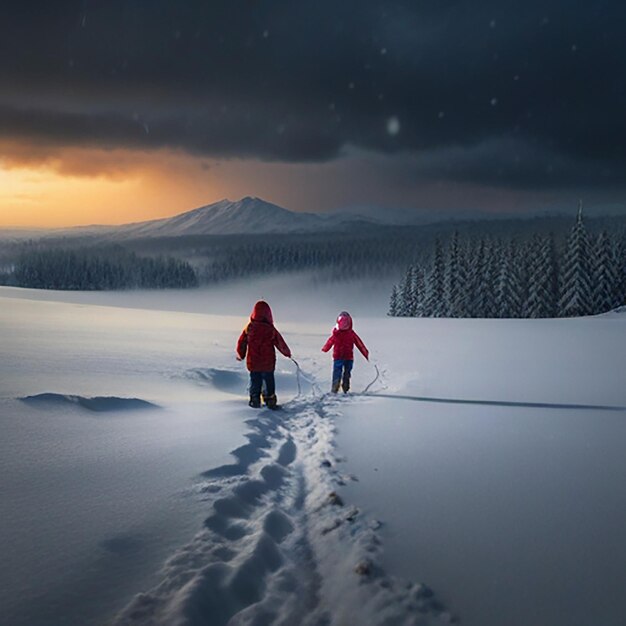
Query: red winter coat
[[258, 340], [344, 339]]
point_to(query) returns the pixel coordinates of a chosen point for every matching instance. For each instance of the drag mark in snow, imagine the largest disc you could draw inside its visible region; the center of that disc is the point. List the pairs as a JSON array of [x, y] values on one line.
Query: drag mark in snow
[[504, 403], [280, 546]]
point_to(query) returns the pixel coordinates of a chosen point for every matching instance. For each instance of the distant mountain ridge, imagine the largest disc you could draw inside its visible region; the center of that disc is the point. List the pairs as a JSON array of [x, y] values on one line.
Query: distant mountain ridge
[[246, 216], [252, 215]]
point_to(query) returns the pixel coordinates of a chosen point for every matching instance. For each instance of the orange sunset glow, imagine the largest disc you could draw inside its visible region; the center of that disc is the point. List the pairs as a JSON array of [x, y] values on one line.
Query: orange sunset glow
[[97, 188], [73, 187]]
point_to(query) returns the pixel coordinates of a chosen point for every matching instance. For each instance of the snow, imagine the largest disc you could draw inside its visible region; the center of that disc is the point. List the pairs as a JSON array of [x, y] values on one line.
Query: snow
[[393, 125], [506, 492], [479, 479], [248, 215], [96, 492]]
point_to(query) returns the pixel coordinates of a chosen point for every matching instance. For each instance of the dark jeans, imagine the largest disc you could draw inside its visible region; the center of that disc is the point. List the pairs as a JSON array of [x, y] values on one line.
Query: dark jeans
[[262, 381], [342, 369]]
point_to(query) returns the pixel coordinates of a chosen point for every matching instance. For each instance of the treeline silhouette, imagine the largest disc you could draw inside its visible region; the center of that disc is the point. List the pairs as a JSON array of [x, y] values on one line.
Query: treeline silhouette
[[97, 269], [379, 252], [337, 259], [492, 277]]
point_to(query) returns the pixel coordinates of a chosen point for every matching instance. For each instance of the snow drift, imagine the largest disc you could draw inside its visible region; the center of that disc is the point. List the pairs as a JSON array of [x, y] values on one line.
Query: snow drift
[[98, 404]]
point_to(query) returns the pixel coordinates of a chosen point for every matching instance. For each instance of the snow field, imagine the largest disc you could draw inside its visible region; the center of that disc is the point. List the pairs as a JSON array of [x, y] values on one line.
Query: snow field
[[280, 546], [505, 490], [307, 520]]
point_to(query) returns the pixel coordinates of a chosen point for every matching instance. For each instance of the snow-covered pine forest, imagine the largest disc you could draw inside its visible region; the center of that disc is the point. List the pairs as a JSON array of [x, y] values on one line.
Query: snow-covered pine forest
[[96, 269], [492, 277]]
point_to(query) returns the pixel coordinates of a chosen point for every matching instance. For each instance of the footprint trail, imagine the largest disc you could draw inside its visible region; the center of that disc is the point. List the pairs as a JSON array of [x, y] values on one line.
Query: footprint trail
[[279, 545]]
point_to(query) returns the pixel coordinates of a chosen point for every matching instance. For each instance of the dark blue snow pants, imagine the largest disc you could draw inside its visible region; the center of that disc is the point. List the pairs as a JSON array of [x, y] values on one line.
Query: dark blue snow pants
[[262, 381], [342, 368]]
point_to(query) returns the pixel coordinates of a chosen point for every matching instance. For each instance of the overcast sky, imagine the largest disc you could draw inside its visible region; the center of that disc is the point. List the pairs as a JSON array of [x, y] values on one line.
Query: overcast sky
[[143, 108]]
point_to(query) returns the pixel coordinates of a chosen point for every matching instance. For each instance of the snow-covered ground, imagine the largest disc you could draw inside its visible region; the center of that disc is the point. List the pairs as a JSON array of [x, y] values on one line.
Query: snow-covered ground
[[506, 492], [487, 465]]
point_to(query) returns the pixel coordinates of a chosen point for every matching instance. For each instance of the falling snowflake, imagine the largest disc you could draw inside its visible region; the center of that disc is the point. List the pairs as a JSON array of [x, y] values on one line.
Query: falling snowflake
[[493, 102], [492, 24], [383, 51], [441, 115], [266, 34], [393, 125]]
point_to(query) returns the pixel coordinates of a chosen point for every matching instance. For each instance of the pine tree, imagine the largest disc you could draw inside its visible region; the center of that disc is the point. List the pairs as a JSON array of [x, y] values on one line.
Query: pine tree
[[417, 292], [406, 293], [576, 295], [393, 302], [451, 276], [492, 256], [541, 295], [605, 274], [481, 287], [509, 287], [435, 298], [619, 253], [460, 295]]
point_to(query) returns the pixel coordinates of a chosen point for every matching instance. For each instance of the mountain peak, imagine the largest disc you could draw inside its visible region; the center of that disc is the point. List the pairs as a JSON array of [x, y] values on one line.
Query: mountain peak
[[248, 215]]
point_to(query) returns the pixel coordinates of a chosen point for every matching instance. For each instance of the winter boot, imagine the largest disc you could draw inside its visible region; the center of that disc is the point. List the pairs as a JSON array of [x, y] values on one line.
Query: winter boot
[[345, 384], [271, 402], [335, 386], [255, 402]]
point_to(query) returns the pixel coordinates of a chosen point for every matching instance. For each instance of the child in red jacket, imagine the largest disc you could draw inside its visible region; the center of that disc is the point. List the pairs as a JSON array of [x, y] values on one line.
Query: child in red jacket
[[258, 340], [343, 340]]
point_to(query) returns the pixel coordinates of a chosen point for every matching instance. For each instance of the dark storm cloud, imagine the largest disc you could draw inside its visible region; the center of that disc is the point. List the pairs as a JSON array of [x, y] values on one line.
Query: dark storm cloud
[[527, 94]]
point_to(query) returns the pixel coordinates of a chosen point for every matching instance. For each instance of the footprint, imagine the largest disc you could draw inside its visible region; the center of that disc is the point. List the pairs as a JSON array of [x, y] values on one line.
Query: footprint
[[251, 491], [246, 455], [249, 581], [273, 475], [231, 507], [277, 525], [220, 526], [287, 453]]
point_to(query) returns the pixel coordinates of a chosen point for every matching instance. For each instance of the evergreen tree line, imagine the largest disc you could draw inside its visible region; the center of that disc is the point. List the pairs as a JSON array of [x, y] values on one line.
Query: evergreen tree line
[[336, 258], [496, 278], [100, 269]]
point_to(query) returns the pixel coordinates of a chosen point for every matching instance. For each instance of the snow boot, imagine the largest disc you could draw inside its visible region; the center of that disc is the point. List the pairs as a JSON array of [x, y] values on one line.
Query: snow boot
[[335, 386], [345, 385], [255, 402], [271, 402]]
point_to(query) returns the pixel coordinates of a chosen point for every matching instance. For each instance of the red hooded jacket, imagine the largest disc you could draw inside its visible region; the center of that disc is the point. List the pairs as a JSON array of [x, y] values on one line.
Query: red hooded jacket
[[344, 339], [258, 340]]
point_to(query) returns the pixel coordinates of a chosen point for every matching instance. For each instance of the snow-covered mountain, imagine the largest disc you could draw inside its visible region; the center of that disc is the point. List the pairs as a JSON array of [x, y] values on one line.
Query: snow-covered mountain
[[246, 216], [250, 215]]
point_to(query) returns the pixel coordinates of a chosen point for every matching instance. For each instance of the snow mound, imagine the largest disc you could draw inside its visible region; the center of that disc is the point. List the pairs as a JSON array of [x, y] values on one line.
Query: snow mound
[[236, 381], [618, 311], [280, 546], [97, 404], [229, 381]]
